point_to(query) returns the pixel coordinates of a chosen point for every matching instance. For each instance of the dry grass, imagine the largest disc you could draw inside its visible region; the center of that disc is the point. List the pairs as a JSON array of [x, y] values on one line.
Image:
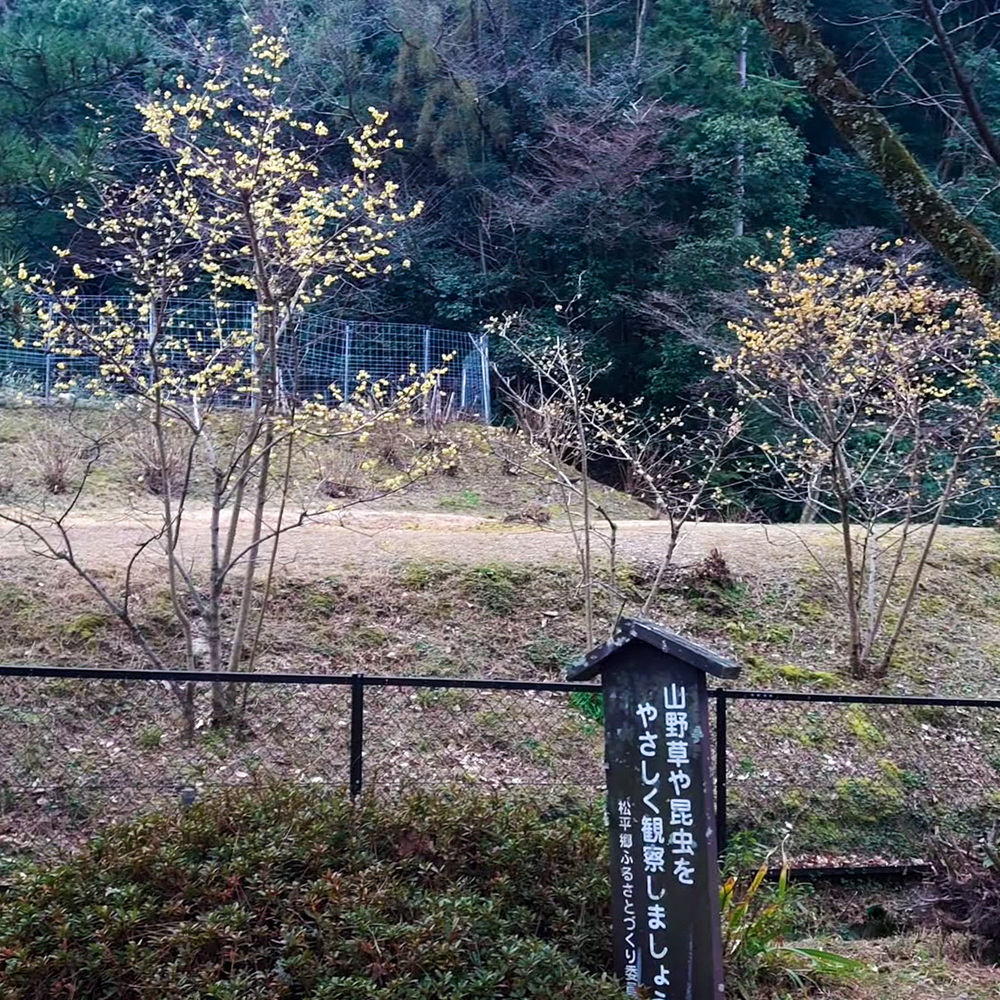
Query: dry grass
[[42, 441], [915, 967], [457, 593]]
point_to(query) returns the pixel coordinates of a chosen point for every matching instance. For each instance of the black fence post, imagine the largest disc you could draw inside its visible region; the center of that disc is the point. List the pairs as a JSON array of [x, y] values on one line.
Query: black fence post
[[721, 749], [357, 731]]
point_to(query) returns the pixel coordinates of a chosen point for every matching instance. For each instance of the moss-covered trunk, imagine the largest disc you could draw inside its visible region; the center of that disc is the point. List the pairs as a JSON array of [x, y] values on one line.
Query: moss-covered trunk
[[871, 136]]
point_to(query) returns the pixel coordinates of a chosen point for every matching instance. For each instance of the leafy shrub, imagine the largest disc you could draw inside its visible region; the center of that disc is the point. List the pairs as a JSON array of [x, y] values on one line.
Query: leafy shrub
[[590, 706], [288, 893], [710, 585], [757, 918]]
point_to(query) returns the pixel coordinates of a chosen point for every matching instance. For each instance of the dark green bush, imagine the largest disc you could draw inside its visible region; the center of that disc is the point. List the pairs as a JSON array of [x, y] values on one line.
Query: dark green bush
[[289, 894]]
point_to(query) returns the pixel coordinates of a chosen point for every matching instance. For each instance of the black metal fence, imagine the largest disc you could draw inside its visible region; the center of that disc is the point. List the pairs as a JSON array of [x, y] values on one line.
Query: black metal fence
[[840, 780]]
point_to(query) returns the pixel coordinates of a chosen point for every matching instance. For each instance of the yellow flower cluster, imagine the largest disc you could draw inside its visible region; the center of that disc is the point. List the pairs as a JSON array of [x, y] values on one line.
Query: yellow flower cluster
[[837, 348], [240, 209]]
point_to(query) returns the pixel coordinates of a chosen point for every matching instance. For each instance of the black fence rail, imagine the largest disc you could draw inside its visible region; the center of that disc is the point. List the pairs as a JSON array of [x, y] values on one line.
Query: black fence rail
[[842, 781], [853, 780]]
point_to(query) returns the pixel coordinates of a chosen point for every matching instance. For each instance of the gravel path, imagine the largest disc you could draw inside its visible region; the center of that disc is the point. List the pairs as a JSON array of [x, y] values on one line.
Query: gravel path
[[362, 537]]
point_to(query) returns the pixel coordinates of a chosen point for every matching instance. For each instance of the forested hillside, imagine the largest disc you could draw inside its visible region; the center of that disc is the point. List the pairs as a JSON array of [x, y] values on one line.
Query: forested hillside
[[618, 159]]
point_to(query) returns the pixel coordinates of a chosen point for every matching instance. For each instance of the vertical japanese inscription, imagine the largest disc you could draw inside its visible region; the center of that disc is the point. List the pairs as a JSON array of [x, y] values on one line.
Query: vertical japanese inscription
[[664, 875]]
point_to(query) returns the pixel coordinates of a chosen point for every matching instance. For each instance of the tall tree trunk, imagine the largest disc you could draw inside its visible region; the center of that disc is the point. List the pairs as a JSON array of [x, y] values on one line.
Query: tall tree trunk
[[962, 81], [871, 136], [739, 165], [641, 14]]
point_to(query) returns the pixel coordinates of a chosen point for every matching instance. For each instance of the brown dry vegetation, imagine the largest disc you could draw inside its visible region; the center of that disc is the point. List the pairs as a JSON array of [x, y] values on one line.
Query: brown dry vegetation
[[914, 967], [442, 586], [38, 440]]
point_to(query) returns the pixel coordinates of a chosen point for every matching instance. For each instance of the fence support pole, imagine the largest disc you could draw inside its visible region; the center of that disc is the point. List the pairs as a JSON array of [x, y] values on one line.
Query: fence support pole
[[254, 356], [484, 358], [427, 352], [151, 331], [48, 359], [721, 751], [348, 392], [357, 731]]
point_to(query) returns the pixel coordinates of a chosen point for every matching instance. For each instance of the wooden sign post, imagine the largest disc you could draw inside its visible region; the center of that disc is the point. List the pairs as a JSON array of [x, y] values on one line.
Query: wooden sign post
[[664, 856]]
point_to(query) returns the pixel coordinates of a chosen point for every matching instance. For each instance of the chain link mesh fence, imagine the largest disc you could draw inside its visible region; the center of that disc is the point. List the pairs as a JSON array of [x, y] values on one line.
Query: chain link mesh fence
[[861, 782], [78, 752], [320, 352], [494, 738], [840, 782]]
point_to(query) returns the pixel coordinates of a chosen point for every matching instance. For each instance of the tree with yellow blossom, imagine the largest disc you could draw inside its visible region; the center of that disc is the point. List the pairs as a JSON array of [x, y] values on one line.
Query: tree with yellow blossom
[[880, 387], [236, 208]]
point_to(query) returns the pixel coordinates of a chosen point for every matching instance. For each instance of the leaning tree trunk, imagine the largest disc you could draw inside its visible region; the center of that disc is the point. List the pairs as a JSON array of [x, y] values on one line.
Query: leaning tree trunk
[[875, 141]]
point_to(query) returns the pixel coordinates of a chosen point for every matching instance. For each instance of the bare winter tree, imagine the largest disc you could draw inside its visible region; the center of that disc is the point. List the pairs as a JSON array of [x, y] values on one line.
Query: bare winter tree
[[879, 385], [239, 211], [669, 460]]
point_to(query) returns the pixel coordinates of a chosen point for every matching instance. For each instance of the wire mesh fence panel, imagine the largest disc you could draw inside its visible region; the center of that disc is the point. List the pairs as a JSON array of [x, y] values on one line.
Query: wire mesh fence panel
[[76, 755], [336, 352], [837, 782], [319, 352], [861, 783], [221, 331], [489, 739]]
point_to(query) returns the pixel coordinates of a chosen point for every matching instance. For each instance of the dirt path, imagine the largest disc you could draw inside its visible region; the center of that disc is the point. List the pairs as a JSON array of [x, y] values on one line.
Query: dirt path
[[363, 537]]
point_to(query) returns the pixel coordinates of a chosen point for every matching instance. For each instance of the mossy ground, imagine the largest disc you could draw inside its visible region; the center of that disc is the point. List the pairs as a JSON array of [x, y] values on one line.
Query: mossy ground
[[868, 781]]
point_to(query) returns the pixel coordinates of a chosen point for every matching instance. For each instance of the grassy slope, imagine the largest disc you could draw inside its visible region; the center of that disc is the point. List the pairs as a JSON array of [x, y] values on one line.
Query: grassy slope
[[116, 748]]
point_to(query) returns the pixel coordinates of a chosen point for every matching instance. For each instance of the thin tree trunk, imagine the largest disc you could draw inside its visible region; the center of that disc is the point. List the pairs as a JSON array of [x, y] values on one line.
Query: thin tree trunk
[[886, 661], [811, 507], [172, 529], [253, 556], [661, 572], [843, 502], [185, 697], [739, 165], [876, 626], [641, 14], [224, 696], [588, 572], [962, 81]]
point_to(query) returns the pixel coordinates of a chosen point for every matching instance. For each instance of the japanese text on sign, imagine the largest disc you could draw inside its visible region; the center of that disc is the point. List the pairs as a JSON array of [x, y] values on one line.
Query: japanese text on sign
[[626, 860], [663, 833]]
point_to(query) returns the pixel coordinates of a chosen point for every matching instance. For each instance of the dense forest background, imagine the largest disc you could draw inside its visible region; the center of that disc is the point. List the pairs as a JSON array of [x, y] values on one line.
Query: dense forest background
[[618, 158]]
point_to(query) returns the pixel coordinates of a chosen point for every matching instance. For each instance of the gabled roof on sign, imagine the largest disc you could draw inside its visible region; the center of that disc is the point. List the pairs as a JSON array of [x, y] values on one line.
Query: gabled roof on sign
[[637, 630]]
